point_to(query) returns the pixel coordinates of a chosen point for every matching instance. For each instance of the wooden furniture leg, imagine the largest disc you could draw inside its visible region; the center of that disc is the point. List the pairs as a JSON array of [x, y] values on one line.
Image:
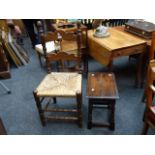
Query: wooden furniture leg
[[41, 112], [139, 70], [112, 114], [145, 129], [79, 109], [90, 106], [110, 65], [2, 128]]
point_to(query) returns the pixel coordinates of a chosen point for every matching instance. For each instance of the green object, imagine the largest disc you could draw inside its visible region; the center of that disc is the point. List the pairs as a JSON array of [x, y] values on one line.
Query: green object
[[73, 20]]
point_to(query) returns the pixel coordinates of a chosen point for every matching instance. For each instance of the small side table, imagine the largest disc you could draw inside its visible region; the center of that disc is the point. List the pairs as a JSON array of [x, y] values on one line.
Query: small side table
[[102, 90]]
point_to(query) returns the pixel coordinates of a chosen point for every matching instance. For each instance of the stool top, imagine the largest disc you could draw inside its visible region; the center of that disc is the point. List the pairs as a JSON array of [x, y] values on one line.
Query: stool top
[[60, 84], [102, 85]]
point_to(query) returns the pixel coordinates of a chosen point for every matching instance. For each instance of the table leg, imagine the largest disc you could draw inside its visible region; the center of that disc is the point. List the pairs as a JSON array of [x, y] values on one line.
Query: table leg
[[110, 65], [139, 70], [90, 109]]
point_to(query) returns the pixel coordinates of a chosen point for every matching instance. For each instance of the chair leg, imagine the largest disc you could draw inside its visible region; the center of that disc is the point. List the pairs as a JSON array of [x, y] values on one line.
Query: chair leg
[[41, 112], [85, 65], [145, 128], [144, 96], [39, 56], [79, 108]]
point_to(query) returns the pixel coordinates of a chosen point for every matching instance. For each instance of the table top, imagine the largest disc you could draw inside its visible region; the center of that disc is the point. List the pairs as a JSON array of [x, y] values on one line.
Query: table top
[[121, 28], [117, 39], [102, 86]]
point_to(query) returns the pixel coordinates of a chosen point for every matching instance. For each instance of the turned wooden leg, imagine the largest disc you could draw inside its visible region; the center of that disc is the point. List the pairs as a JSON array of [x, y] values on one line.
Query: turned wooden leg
[[48, 66], [145, 128], [85, 65], [144, 96], [90, 109], [112, 115], [41, 112], [2, 128], [79, 108]]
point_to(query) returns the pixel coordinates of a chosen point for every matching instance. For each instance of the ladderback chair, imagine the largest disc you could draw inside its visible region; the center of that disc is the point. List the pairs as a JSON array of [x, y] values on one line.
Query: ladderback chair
[[60, 84], [66, 62], [149, 116]]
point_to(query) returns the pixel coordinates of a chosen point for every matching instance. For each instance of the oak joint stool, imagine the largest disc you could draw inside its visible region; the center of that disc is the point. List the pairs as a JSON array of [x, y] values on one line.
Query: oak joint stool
[[102, 91]]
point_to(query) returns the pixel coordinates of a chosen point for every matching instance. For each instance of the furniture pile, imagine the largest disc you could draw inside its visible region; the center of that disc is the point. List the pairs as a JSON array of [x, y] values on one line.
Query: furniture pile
[[13, 50]]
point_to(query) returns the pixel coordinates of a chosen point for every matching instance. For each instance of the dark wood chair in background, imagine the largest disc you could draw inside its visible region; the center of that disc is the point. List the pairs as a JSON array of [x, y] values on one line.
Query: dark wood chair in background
[[60, 84], [71, 42], [49, 44], [149, 116], [105, 22], [75, 42], [150, 56], [2, 128]]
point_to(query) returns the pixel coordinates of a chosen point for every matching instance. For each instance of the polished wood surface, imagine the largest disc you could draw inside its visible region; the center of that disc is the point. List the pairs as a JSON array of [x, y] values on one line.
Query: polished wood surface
[[116, 40], [102, 85], [105, 49], [121, 28]]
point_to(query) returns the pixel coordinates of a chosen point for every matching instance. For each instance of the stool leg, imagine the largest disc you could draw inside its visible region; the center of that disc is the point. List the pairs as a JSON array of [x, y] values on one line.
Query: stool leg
[[90, 109], [41, 112], [79, 107], [112, 115]]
